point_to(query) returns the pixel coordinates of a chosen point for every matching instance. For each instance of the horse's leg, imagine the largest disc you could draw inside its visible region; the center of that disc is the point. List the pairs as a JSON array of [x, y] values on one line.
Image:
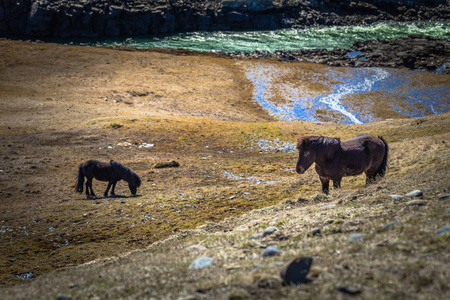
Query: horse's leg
[[370, 178], [87, 188], [107, 189], [113, 187], [89, 185], [337, 183], [325, 185]]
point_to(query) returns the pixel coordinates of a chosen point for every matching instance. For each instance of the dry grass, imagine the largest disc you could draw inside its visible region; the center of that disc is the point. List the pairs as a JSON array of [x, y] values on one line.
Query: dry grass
[[197, 110]]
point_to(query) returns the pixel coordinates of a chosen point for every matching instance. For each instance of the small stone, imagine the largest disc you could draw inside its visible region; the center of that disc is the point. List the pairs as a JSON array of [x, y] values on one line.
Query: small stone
[[63, 297], [26, 276], [443, 230], [388, 225], [256, 235], [356, 237], [201, 262], [350, 290], [416, 203], [443, 197], [196, 248], [415, 193], [316, 232], [396, 197], [269, 231], [271, 251], [295, 271]]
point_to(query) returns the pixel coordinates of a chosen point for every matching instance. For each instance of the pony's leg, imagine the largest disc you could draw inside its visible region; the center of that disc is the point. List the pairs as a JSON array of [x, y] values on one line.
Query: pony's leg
[[337, 183], [107, 189], [113, 187], [87, 188], [325, 185], [89, 185], [370, 179]]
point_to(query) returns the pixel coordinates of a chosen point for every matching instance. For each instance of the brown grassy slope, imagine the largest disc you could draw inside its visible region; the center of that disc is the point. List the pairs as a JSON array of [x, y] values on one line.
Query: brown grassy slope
[[197, 110]]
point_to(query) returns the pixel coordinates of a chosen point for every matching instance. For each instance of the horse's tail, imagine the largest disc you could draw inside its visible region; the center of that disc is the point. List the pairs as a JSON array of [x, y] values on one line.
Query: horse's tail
[[382, 169], [80, 180]]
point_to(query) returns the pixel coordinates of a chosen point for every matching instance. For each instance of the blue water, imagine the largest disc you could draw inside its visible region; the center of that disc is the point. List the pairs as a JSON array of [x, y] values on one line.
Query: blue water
[[283, 39], [400, 90]]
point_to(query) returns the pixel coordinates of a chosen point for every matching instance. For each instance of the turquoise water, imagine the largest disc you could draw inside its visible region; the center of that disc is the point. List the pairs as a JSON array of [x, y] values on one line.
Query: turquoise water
[[283, 39]]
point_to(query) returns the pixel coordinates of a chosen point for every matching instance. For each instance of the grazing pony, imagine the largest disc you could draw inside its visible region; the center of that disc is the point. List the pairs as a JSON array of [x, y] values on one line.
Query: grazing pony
[[335, 158], [105, 171]]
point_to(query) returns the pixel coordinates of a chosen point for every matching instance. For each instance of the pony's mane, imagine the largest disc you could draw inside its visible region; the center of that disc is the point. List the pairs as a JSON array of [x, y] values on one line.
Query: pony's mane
[[319, 144], [126, 173]]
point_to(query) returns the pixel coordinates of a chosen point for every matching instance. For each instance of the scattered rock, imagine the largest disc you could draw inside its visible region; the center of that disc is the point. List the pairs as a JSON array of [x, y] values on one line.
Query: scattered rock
[[258, 235], [201, 262], [443, 197], [391, 224], [172, 164], [356, 237], [25, 276], [416, 203], [271, 251], [316, 232], [443, 230], [295, 271], [415, 193], [396, 197], [349, 290], [63, 297], [269, 231]]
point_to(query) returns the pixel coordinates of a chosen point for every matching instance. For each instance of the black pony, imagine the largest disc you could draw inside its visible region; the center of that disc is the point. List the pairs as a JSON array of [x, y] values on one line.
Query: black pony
[[335, 158], [105, 171]]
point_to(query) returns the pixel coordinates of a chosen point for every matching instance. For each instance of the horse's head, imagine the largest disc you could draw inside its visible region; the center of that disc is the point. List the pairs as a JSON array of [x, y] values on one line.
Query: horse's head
[[134, 183], [306, 155]]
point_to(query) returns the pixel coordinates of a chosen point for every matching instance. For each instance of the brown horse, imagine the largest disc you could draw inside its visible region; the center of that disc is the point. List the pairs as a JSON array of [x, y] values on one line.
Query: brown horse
[[105, 171], [335, 159]]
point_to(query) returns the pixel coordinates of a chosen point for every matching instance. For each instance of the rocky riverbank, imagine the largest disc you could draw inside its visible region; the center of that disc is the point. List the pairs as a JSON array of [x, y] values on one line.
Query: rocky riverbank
[[413, 52], [95, 18]]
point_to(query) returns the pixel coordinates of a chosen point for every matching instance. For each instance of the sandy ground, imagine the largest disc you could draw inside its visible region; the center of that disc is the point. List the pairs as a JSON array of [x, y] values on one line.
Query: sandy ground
[[61, 105]]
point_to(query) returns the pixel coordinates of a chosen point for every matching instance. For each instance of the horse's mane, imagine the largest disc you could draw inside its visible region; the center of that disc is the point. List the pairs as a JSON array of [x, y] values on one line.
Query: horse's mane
[[126, 173], [319, 144]]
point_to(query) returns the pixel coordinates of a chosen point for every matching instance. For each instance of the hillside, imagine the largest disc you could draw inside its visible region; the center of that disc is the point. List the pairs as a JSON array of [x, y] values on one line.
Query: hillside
[[62, 105]]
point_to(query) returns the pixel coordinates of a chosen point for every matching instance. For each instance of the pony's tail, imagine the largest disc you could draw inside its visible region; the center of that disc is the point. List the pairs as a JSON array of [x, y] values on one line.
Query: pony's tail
[[382, 169], [80, 180]]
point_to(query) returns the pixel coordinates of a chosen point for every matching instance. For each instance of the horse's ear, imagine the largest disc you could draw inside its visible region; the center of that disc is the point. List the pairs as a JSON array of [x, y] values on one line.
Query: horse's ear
[[302, 142]]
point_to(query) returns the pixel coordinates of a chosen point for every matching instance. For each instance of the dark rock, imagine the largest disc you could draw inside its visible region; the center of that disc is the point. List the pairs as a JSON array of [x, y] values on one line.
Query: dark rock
[[295, 271], [172, 164], [443, 230], [391, 224], [443, 197], [271, 251], [350, 290]]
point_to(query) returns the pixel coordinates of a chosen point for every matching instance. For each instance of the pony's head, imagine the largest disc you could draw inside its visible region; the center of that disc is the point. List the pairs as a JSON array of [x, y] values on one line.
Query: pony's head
[[311, 148], [306, 156], [134, 183]]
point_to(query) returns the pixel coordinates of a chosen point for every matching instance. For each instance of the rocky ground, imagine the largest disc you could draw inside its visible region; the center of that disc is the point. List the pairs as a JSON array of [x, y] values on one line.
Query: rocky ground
[[233, 200], [72, 18], [414, 52]]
